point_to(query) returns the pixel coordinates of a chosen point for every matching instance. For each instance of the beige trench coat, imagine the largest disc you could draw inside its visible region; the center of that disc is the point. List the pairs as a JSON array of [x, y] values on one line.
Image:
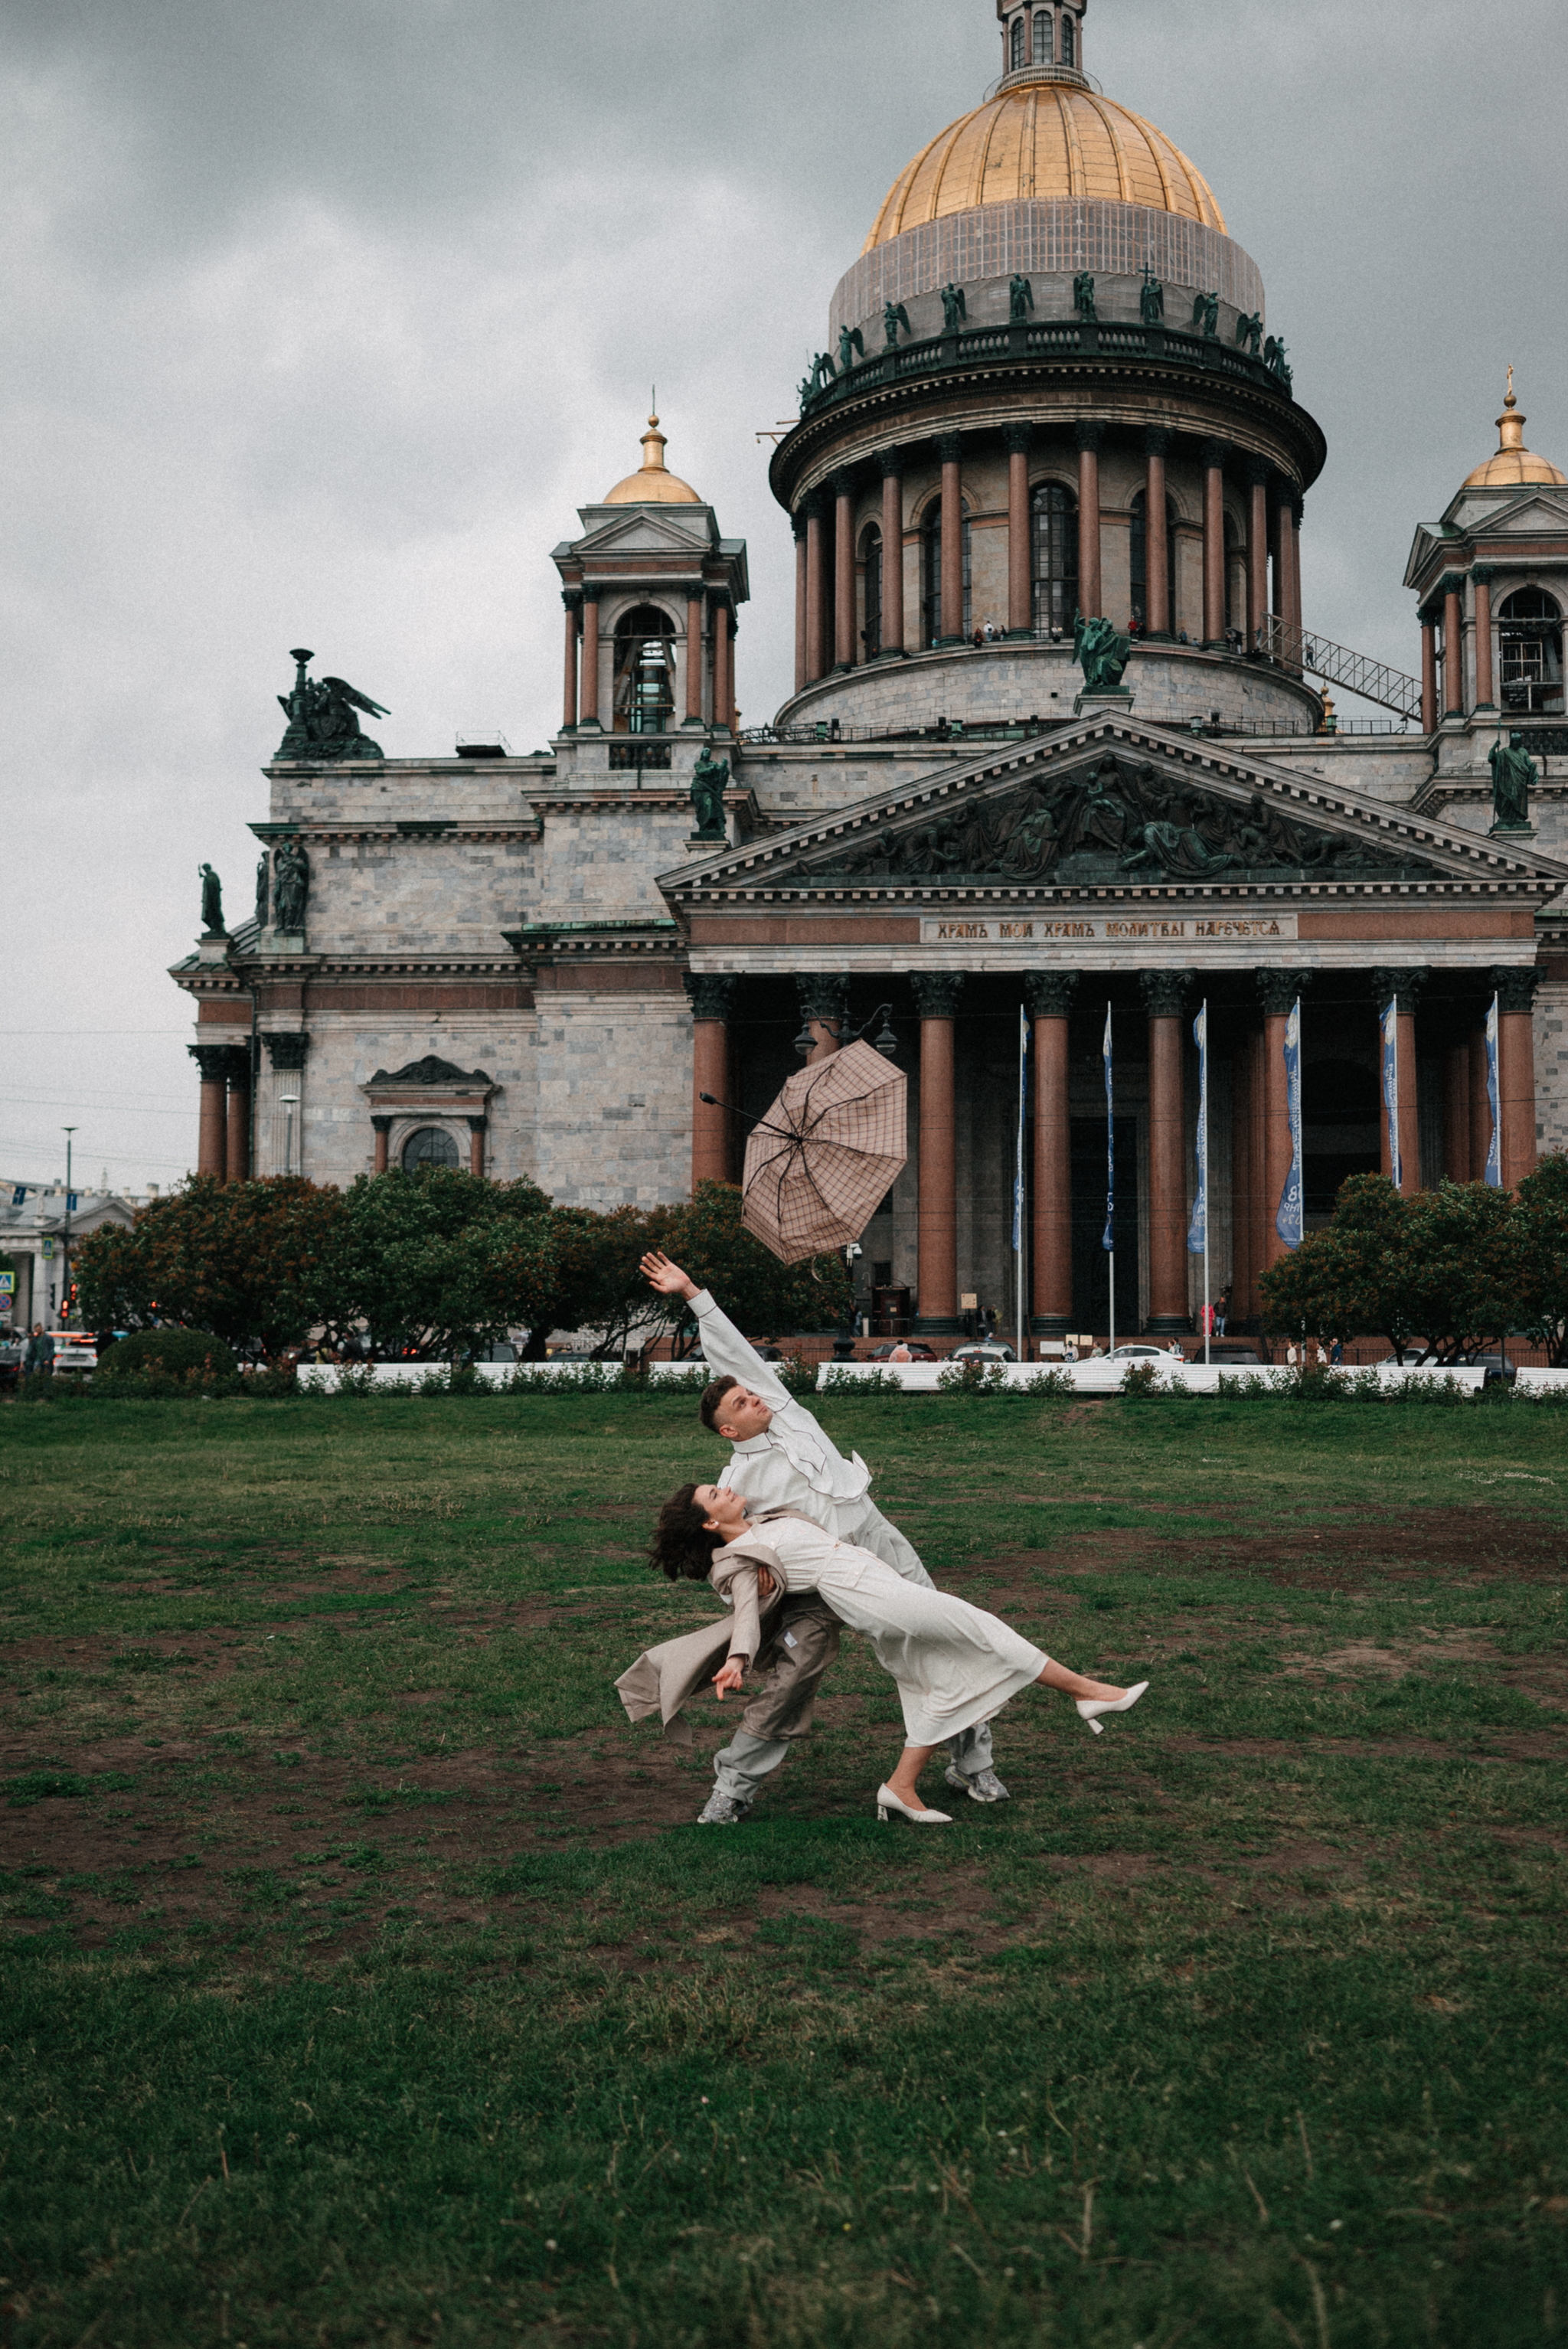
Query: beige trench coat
[[663, 1680]]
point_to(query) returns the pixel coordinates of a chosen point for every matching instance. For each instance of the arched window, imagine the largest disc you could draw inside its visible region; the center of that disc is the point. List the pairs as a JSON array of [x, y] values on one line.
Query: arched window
[[1045, 46], [1138, 553], [1069, 40], [645, 670], [1530, 629], [1054, 558], [1017, 43], [433, 1145], [930, 578], [872, 563]]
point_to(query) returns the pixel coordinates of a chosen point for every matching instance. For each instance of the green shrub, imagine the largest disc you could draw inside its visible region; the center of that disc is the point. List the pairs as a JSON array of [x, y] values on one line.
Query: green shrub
[[973, 1377], [1140, 1381], [158, 1357]]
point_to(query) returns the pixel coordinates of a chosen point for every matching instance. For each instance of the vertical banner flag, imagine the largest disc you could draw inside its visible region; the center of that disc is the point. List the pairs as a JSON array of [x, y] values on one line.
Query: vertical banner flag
[[1391, 1086], [1287, 1223], [19, 1195], [1109, 1242], [1198, 1236], [1494, 1148], [1018, 1151]]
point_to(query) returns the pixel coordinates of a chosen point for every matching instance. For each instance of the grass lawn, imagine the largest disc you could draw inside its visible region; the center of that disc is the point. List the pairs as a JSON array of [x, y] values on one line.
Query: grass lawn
[[367, 1979]]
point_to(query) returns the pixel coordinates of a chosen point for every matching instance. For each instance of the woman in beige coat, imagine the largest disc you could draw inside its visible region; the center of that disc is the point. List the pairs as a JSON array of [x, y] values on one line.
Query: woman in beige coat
[[954, 1664]]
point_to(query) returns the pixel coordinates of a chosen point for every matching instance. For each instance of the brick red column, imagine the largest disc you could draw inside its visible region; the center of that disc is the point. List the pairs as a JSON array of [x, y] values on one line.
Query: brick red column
[[801, 639], [1242, 1181], [1157, 527], [816, 591], [382, 1128], [712, 1000], [1284, 578], [1483, 576], [723, 670], [1020, 440], [1215, 455], [1297, 520], [824, 1006], [694, 663], [1049, 999], [590, 691], [1091, 593], [1403, 987], [1453, 647], [237, 1142], [1165, 993], [1257, 550], [574, 603], [477, 1144], [1279, 989], [843, 572], [1456, 1114], [211, 1132], [951, 449], [936, 998], [892, 552], [1429, 676], [1515, 988]]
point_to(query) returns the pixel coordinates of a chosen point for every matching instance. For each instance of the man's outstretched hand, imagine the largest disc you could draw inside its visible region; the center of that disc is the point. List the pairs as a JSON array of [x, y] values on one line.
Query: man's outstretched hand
[[666, 1278]]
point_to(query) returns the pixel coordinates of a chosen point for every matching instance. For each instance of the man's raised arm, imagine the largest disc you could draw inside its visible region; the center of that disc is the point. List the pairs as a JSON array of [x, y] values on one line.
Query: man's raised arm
[[727, 1354]]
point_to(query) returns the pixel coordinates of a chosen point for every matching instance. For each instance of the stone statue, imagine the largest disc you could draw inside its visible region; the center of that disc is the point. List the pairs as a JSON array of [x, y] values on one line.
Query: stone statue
[[1251, 332], [851, 345], [1274, 360], [955, 308], [1152, 300], [1083, 296], [1206, 315], [1514, 774], [264, 889], [894, 316], [709, 778], [1176, 847], [1020, 300], [824, 372], [291, 887], [1102, 653], [211, 903], [322, 724]]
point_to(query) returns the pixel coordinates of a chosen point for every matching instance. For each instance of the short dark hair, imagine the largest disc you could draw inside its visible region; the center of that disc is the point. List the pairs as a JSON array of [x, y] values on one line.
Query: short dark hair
[[682, 1547], [712, 1396]]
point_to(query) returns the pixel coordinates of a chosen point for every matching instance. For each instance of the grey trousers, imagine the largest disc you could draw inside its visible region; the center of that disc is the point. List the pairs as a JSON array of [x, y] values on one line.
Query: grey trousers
[[801, 1647]]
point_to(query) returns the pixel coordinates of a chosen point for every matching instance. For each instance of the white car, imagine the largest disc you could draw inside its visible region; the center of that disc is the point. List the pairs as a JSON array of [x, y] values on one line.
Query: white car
[[1146, 1354], [76, 1354], [991, 1350]]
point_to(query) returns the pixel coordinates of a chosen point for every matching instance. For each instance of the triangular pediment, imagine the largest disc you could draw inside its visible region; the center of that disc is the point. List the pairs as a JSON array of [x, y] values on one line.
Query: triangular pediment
[[1541, 513], [1111, 807], [650, 529]]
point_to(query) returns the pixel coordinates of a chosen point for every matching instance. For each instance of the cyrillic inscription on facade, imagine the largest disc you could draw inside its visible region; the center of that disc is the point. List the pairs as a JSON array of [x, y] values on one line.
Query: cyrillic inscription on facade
[[1112, 929]]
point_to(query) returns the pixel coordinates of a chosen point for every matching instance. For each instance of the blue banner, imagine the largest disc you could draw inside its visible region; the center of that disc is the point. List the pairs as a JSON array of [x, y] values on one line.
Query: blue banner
[[1018, 1151], [1109, 1242], [1391, 1087], [19, 1195], [1287, 1223], [73, 1199], [1494, 1148], [1198, 1232]]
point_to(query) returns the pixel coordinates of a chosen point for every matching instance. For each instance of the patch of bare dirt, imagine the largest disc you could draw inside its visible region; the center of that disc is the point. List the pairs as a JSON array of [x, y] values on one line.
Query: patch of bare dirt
[[1468, 1547]]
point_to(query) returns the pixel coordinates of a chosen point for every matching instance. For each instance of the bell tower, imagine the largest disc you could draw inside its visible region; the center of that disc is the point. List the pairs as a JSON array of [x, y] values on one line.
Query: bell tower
[[1041, 39]]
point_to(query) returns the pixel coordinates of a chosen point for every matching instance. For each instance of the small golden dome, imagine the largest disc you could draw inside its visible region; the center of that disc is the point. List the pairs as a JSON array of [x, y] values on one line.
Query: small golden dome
[[652, 484], [1041, 140], [1513, 464]]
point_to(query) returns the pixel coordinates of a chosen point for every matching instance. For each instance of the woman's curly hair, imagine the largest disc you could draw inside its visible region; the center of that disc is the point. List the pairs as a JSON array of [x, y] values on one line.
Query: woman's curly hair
[[682, 1546]]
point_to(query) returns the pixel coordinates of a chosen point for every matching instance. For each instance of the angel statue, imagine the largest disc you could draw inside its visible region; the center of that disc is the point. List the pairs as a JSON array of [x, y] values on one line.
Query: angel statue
[[1102, 653], [1251, 332], [1020, 299], [1083, 295], [851, 346], [955, 308], [1206, 315], [320, 715], [894, 316]]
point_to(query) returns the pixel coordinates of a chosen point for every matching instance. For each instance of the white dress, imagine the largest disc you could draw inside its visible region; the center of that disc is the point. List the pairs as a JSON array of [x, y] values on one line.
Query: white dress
[[955, 1664]]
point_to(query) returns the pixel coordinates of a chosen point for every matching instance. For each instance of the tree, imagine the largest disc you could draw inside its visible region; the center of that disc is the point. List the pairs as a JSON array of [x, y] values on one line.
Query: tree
[[707, 1239], [1350, 1280], [1463, 1269], [244, 1260], [599, 1288], [1543, 1257], [440, 1262]]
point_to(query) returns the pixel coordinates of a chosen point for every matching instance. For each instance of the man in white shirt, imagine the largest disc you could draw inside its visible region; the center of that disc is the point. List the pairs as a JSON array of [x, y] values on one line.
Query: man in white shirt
[[783, 1459]]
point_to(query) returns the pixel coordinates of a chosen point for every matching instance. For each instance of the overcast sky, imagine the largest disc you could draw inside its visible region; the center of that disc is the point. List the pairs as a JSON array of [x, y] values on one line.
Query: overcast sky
[[323, 317]]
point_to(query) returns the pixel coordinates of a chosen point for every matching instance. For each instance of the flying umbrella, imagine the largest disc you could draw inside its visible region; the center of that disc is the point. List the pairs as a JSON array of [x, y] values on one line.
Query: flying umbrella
[[822, 1162]]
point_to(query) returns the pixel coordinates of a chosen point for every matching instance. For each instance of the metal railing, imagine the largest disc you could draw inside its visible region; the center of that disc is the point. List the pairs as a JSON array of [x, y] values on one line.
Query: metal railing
[[1356, 673]]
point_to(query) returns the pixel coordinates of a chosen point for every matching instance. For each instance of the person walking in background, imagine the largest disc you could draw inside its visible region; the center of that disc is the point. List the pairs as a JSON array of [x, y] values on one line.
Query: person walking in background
[[1221, 1310], [39, 1361]]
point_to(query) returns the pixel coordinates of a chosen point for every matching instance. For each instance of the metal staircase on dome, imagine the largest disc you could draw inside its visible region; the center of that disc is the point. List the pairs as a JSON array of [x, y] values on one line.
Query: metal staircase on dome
[[1358, 672]]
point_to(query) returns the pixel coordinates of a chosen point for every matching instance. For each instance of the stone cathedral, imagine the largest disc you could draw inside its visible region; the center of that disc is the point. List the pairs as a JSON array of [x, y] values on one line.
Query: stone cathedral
[[1060, 739]]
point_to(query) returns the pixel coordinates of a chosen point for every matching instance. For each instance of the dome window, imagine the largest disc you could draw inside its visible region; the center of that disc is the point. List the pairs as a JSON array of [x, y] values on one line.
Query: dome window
[[644, 671], [433, 1145], [1045, 41], [1053, 548], [1070, 41], [1018, 52], [1529, 632], [871, 562], [930, 578]]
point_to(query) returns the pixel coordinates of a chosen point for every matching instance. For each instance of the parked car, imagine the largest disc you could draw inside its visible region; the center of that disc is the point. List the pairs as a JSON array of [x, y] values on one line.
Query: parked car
[[76, 1354], [986, 1350], [12, 1352], [1228, 1353], [916, 1347], [1500, 1369], [1141, 1353]]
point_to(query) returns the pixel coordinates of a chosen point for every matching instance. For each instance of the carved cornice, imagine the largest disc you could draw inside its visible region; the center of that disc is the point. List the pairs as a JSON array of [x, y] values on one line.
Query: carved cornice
[[937, 993], [1166, 992], [1402, 987], [1514, 985], [711, 998], [1048, 994], [1278, 990]]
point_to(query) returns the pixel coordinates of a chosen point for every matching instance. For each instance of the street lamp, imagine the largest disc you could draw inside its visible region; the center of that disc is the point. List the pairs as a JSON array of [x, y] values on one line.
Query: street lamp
[[289, 1101]]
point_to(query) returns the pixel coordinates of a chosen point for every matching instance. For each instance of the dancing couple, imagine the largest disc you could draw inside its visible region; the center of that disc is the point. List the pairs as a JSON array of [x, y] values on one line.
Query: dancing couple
[[791, 1541]]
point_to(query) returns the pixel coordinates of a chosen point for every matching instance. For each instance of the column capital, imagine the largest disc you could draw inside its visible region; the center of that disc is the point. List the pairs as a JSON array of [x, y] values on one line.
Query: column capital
[[287, 1052], [950, 448], [822, 996], [1430, 616], [237, 1064], [213, 1060], [1157, 440], [477, 1125], [1279, 989], [712, 995], [1286, 491], [1090, 436], [1048, 994], [1452, 583], [592, 591], [1214, 454], [573, 598], [381, 1126], [1483, 574], [814, 506], [1167, 992], [1259, 472], [1017, 439], [937, 993], [1403, 986], [842, 483], [1514, 985], [890, 461]]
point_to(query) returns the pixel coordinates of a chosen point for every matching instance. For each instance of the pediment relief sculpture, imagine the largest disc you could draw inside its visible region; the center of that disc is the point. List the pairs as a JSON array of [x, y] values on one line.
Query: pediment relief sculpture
[[1114, 820], [433, 1072]]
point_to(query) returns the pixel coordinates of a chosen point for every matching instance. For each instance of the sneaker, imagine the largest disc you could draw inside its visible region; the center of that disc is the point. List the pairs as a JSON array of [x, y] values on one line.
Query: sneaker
[[722, 1810], [984, 1788]]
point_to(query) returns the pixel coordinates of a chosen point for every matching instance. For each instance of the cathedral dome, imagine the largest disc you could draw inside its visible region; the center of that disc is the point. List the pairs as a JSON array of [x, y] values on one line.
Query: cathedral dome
[[652, 484], [1513, 464], [1045, 138]]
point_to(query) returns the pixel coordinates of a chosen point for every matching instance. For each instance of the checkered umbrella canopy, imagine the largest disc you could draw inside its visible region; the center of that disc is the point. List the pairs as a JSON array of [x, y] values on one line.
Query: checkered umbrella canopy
[[820, 1164]]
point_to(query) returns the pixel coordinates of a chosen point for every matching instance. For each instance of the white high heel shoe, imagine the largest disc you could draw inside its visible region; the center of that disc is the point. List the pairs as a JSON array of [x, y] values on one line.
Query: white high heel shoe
[[888, 1803], [1091, 1707]]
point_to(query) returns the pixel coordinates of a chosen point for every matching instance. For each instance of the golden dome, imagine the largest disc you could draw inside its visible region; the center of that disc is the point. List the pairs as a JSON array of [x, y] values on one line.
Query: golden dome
[[652, 484], [1042, 140], [1514, 465]]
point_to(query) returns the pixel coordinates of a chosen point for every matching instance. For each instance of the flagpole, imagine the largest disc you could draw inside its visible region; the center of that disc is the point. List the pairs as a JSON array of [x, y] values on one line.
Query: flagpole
[[1018, 1177], [1204, 1107], [1111, 1187]]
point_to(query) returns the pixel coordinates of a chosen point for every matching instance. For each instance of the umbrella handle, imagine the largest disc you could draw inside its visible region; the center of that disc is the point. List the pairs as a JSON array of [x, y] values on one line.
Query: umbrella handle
[[761, 1123]]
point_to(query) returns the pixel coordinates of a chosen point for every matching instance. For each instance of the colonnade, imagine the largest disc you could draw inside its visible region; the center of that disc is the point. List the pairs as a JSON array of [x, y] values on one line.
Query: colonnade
[[710, 623], [1447, 610], [825, 527], [224, 1132], [1260, 1140]]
